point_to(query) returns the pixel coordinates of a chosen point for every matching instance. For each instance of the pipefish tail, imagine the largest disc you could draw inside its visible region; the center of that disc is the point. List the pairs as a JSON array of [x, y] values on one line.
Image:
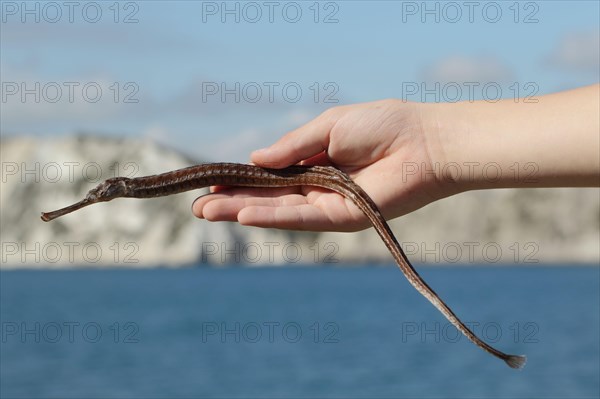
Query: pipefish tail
[[231, 174]]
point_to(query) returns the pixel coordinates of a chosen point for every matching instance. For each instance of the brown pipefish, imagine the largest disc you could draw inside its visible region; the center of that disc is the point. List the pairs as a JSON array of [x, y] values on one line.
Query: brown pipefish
[[230, 174]]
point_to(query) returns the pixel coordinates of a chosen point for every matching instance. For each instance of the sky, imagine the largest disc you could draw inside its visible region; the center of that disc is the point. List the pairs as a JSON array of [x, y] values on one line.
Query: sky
[[219, 79]]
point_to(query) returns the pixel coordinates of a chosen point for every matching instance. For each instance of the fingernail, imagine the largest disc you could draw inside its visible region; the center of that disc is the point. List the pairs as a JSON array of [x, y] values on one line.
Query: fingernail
[[194, 203]]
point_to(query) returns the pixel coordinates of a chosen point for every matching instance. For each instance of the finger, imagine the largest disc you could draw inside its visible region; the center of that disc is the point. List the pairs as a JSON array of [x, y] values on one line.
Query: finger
[[223, 210], [302, 143], [227, 209], [260, 196], [298, 217], [320, 159]]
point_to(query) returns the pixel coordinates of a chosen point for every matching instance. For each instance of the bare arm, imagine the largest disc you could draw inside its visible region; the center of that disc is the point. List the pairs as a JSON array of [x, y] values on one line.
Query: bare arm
[[552, 143], [406, 155]]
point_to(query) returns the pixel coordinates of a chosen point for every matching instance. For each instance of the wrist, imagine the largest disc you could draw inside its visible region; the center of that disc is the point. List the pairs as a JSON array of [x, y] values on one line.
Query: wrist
[[445, 127]]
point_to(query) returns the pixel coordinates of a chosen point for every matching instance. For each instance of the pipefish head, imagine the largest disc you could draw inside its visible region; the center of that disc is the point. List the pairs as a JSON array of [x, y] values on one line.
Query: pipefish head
[[106, 191]]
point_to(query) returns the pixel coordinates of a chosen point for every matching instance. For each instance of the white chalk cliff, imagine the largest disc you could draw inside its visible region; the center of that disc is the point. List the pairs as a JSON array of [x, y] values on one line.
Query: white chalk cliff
[[40, 174]]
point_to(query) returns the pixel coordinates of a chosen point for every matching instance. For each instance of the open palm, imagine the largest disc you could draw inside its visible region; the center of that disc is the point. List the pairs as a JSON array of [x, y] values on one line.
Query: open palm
[[378, 144]]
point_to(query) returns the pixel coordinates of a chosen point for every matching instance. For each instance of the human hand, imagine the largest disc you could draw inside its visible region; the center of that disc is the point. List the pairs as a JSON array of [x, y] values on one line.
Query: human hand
[[372, 142]]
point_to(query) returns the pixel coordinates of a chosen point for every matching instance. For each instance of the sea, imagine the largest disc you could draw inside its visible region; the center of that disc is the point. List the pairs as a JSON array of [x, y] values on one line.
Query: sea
[[297, 332]]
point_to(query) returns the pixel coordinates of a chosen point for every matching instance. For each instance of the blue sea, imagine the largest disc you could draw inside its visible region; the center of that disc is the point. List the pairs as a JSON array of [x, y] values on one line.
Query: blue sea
[[360, 332]]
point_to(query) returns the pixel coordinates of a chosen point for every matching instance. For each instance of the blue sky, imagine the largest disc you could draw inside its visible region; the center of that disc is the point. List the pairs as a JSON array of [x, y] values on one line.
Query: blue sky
[[177, 52]]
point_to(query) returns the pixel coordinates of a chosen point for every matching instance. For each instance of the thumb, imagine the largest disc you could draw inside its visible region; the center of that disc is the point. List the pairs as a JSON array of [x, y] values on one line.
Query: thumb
[[297, 145]]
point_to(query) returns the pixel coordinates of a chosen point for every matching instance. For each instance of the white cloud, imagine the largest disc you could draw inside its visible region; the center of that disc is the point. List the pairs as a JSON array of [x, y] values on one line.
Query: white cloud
[[43, 103], [463, 69], [577, 51]]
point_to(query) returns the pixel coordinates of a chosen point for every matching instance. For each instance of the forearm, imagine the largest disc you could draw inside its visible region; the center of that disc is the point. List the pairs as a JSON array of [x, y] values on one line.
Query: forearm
[[552, 143]]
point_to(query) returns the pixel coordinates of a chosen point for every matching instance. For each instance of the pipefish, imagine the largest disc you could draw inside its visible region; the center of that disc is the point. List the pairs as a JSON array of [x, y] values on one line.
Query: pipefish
[[231, 174]]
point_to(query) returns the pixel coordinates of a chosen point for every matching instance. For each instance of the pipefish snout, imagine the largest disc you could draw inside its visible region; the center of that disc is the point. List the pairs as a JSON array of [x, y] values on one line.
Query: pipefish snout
[[231, 174]]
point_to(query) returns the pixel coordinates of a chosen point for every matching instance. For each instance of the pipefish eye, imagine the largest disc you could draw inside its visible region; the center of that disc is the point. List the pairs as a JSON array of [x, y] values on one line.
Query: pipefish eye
[[115, 187], [111, 188]]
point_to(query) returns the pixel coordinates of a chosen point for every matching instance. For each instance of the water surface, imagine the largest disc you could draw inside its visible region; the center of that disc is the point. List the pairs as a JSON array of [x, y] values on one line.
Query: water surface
[[297, 332]]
